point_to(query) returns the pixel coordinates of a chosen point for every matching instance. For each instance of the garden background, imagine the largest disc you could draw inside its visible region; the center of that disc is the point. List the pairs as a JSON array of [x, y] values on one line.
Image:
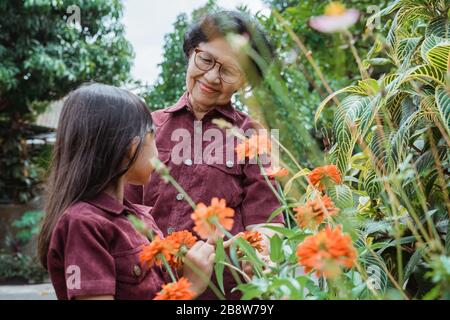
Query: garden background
[[371, 98]]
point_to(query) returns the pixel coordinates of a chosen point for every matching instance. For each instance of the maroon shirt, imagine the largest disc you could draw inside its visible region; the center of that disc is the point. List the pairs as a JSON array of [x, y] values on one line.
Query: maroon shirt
[[241, 185], [94, 250]]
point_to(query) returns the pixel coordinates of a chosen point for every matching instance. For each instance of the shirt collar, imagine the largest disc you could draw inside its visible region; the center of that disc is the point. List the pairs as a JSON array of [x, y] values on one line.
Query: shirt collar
[[184, 102], [109, 204]]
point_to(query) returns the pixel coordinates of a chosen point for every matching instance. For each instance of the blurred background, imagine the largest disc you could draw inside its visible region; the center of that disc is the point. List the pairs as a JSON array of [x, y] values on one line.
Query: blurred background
[[48, 48]]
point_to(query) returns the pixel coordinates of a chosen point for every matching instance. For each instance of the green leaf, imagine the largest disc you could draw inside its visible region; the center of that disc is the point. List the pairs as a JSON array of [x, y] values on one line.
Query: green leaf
[[284, 231], [447, 240], [412, 263], [431, 42], [413, 10], [425, 73], [249, 251], [299, 174], [433, 294], [375, 267], [342, 196], [443, 103], [250, 291], [279, 210], [292, 285], [377, 62], [405, 50], [347, 123], [439, 55], [219, 266], [438, 27], [276, 212], [276, 252], [371, 184], [369, 87]]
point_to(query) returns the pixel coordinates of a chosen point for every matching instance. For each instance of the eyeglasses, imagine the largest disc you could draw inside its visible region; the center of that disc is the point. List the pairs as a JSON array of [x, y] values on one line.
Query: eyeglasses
[[205, 61]]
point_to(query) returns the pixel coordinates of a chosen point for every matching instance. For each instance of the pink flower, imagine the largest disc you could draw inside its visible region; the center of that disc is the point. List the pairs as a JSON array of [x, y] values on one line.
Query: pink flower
[[337, 18]]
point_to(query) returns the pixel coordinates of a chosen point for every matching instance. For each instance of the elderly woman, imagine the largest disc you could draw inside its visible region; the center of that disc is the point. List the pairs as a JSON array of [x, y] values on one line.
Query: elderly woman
[[215, 72]]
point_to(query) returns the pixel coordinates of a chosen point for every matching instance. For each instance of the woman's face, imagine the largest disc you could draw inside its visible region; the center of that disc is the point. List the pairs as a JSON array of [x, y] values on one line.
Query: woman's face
[[206, 88], [140, 171]]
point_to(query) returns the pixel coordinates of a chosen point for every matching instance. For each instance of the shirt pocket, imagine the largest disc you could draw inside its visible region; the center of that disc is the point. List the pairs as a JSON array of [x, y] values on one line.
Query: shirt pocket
[[224, 181], [128, 267]]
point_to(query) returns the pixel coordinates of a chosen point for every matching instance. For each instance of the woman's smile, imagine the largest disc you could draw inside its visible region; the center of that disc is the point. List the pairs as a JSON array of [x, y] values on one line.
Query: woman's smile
[[206, 88]]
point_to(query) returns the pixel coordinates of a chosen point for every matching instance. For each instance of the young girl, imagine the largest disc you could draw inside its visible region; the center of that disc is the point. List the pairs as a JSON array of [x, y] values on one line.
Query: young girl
[[91, 250]]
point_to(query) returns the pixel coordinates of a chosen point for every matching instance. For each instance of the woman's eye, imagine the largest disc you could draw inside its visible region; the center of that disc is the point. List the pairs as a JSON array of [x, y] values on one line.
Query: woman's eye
[[206, 60], [228, 71]]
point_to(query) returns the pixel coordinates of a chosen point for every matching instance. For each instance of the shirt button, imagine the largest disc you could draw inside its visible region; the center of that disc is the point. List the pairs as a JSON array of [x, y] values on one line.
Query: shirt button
[[137, 270], [229, 163], [188, 162], [170, 230], [180, 196], [198, 130]]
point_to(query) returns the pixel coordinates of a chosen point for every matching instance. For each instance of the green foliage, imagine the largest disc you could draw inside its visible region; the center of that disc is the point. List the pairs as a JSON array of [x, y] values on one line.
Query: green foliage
[[171, 82], [305, 89], [20, 267], [28, 225], [14, 265], [399, 132], [43, 58]]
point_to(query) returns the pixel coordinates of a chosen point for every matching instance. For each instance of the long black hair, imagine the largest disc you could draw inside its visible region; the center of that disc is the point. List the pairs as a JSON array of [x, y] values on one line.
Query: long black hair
[[97, 125]]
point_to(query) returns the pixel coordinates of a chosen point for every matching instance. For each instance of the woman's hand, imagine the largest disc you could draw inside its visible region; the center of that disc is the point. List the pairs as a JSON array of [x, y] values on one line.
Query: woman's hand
[[198, 266]]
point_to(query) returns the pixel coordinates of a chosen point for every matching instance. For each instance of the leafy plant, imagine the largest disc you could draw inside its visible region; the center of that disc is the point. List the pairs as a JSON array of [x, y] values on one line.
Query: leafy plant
[[44, 57]]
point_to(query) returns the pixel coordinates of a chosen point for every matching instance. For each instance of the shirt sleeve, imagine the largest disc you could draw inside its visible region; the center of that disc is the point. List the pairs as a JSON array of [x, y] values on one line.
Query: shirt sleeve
[[89, 266], [259, 201]]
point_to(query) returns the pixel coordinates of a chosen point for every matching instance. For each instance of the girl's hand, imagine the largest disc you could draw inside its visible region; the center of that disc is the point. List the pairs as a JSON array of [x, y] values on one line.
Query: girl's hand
[[198, 266]]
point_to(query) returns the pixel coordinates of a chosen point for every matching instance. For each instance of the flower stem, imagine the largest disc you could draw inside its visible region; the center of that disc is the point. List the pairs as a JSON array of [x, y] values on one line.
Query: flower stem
[[168, 268]]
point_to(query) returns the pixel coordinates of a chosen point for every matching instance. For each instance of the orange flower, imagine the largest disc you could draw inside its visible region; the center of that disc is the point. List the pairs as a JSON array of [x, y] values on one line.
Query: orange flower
[[314, 212], [320, 177], [277, 172], [255, 145], [181, 242], [254, 238], [327, 252], [152, 252], [176, 291], [203, 217]]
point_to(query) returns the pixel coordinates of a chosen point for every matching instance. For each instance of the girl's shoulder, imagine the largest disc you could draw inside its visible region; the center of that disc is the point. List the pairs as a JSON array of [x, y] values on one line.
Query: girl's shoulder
[[81, 215], [83, 210]]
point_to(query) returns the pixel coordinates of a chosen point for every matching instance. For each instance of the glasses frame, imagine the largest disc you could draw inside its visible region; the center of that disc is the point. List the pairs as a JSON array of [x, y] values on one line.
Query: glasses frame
[[197, 50]]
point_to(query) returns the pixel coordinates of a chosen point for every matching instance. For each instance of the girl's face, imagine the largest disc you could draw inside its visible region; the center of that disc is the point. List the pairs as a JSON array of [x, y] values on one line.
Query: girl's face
[[206, 88], [141, 170]]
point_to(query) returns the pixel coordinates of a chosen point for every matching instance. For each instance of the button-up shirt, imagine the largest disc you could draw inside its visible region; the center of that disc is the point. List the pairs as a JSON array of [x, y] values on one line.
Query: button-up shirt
[[94, 250], [204, 173]]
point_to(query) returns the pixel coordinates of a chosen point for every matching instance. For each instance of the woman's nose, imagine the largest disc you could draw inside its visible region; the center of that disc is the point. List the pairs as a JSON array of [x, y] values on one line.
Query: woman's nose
[[213, 75]]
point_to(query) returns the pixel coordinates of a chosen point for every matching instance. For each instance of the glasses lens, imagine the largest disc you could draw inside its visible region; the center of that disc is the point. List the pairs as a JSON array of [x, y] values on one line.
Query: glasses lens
[[204, 61], [230, 74]]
